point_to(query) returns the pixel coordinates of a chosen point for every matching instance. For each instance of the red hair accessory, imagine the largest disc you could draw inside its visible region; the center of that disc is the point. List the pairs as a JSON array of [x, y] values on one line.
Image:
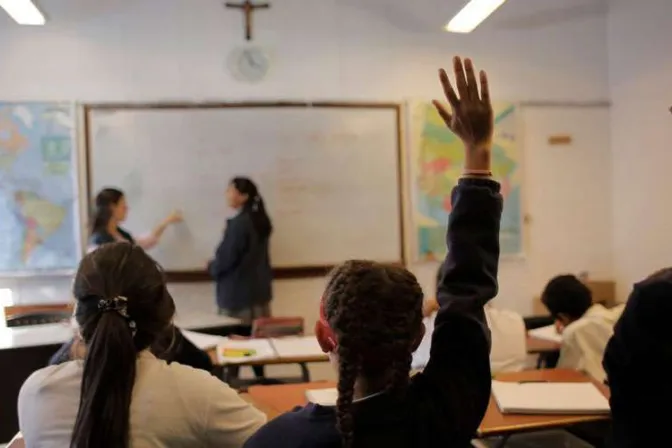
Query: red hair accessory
[[326, 336]]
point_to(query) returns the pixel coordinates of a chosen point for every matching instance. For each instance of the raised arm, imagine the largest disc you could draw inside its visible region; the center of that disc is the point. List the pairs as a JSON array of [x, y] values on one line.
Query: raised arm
[[459, 366], [152, 239], [469, 273]]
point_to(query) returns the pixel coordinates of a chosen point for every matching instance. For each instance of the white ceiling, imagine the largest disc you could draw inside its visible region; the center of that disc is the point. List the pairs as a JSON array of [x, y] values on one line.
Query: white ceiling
[[411, 15], [419, 15]]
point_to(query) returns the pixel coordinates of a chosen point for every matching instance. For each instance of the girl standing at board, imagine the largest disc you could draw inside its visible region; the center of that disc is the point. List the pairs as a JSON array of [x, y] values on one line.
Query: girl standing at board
[[242, 268], [111, 210]]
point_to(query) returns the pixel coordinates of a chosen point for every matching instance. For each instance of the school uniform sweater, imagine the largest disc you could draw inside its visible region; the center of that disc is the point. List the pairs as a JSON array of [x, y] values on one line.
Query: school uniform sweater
[[242, 267], [638, 362], [447, 401]]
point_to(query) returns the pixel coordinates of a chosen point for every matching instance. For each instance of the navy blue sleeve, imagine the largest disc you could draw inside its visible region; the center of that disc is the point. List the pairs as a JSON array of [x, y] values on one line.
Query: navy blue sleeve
[[458, 371], [637, 361], [232, 248]]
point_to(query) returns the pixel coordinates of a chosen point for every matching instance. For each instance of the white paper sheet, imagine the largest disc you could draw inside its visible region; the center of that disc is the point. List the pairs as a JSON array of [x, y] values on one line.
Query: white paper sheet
[[323, 397], [291, 347], [260, 348], [202, 340], [548, 333]]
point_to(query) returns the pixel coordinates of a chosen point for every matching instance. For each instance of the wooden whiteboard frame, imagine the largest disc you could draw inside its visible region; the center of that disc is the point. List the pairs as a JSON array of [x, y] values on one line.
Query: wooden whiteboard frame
[[278, 273]]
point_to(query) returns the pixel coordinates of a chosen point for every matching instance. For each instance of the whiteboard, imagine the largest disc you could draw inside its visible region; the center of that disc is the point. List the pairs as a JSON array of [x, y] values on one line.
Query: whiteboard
[[330, 177]]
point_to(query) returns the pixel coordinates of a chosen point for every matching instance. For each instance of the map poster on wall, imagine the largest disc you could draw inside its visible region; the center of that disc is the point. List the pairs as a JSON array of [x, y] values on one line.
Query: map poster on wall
[[437, 160], [39, 225]]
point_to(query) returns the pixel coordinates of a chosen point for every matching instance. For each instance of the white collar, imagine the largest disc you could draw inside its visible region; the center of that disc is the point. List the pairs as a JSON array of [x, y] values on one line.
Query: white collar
[[369, 396]]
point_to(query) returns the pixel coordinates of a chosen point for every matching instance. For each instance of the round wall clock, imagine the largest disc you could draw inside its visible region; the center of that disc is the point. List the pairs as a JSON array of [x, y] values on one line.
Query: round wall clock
[[249, 64]]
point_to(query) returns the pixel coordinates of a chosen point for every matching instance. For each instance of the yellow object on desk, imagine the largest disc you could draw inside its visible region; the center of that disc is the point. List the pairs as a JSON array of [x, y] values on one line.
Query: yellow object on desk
[[238, 352]]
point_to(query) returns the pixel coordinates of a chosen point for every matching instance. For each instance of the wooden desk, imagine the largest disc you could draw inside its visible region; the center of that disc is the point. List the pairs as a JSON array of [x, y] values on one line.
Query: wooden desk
[[280, 360], [497, 424], [35, 335], [270, 361], [276, 400]]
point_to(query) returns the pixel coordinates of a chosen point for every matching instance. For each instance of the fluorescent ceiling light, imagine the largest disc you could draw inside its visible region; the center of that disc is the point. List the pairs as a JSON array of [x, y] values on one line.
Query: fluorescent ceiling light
[[24, 12], [472, 15]]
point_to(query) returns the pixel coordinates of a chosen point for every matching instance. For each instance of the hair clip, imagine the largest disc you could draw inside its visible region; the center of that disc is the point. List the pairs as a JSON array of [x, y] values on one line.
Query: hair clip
[[119, 305], [255, 202]]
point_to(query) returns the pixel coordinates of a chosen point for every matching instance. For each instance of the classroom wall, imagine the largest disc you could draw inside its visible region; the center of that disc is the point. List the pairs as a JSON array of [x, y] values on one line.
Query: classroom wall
[[641, 131], [338, 50]]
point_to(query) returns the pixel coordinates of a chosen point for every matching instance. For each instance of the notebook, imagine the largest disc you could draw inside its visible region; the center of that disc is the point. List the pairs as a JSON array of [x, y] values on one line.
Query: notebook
[[297, 346], [549, 398], [548, 333], [323, 397]]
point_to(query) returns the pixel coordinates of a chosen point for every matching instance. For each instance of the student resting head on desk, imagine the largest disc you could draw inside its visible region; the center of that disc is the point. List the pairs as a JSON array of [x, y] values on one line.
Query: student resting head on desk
[[110, 211], [585, 327], [122, 395], [638, 361], [371, 321]]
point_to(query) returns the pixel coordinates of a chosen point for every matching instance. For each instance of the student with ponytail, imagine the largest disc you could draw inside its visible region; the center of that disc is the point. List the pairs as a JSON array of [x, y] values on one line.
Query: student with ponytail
[[121, 395], [371, 321], [241, 267]]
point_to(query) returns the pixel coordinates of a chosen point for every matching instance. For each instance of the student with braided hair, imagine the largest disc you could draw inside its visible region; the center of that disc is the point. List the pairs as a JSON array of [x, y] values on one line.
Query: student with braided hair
[[371, 321]]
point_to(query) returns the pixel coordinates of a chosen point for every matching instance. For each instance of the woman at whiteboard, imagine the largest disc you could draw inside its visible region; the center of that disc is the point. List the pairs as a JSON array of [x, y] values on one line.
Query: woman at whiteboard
[[241, 267], [111, 210]]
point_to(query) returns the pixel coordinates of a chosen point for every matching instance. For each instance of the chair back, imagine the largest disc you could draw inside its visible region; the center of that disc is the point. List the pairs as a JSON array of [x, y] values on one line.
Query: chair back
[[25, 315], [277, 327]]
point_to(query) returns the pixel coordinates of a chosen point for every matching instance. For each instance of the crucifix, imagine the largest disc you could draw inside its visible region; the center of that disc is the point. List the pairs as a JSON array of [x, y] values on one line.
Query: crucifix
[[248, 8]]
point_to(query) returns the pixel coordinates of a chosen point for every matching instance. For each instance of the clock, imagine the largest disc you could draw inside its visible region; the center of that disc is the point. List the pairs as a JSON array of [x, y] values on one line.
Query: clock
[[249, 64]]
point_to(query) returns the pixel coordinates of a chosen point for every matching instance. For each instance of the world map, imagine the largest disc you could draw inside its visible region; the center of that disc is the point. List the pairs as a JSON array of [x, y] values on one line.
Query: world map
[[39, 228], [437, 162]]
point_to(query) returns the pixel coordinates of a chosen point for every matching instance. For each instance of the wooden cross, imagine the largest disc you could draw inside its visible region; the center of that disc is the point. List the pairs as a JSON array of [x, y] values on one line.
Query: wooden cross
[[248, 8]]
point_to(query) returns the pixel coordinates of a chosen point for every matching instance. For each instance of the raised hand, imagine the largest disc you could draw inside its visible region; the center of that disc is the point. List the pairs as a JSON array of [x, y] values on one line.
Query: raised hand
[[174, 217], [471, 118]]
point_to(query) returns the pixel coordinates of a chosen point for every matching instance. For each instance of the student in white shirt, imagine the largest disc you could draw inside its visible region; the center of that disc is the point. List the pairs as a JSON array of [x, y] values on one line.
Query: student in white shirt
[[121, 395], [585, 327], [508, 351]]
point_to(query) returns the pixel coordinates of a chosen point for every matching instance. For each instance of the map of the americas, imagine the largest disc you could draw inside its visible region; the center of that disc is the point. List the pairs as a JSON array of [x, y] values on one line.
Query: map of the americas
[[38, 188]]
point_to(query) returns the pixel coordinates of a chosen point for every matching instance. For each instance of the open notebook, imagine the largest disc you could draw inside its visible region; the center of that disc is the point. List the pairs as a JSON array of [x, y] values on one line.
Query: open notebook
[[233, 351], [549, 398]]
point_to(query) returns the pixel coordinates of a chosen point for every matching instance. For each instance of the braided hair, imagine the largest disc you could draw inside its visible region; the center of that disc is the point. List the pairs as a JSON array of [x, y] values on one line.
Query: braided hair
[[375, 311]]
